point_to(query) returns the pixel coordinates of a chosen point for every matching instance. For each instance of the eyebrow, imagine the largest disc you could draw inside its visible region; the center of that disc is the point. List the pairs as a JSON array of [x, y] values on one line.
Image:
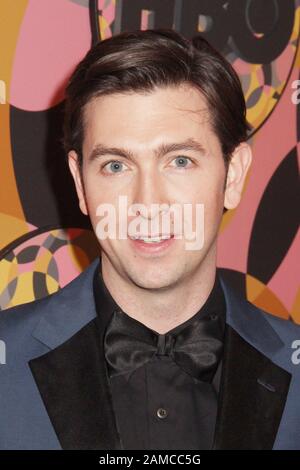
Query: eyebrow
[[101, 150]]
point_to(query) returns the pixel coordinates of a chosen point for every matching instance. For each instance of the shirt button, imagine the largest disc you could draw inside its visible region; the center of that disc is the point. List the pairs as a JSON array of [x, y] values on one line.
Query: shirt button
[[213, 316], [162, 413]]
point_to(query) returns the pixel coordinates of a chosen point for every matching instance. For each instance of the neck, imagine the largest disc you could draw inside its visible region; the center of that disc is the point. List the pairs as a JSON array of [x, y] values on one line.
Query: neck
[[162, 309]]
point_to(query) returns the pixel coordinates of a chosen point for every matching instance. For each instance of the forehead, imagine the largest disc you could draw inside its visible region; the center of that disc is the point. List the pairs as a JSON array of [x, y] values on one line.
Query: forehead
[[145, 118]]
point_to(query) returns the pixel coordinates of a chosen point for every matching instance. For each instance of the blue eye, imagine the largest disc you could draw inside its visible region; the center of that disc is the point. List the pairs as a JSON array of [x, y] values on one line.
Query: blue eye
[[114, 166], [182, 161]]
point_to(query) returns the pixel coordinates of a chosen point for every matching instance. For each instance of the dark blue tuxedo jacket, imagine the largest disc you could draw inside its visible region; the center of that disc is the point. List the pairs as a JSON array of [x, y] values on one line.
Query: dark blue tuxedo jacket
[[54, 388]]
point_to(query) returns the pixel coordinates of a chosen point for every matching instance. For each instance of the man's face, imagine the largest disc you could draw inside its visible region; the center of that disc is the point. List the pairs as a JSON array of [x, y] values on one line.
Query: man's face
[[139, 124]]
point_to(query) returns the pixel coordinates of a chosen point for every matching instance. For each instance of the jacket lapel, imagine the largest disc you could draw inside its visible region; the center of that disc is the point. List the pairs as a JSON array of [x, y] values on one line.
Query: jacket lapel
[[73, 382], [72, 377], [252, 397], [253, 389]]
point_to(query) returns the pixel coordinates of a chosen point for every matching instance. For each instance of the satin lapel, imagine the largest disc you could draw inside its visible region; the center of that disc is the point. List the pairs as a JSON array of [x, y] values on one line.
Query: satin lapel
[[73, 383], [72, 377], [252, 397]]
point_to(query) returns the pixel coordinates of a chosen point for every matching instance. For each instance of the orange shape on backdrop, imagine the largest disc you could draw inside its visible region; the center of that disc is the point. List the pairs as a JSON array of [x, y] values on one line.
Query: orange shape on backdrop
[[262, 297]]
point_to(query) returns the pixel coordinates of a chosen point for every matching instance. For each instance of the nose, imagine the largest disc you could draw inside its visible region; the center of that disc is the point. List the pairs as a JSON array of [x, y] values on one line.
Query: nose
[[150, 195]]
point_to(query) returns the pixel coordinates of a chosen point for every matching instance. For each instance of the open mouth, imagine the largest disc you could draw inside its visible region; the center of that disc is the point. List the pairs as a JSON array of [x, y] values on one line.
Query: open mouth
[[152, 244]]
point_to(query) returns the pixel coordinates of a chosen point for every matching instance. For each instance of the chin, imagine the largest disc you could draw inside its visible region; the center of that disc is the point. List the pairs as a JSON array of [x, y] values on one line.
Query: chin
[[153, 280]]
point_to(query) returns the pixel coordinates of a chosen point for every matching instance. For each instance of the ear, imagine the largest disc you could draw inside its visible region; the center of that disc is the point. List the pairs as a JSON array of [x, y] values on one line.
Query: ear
[[238, 167], [77, 176]]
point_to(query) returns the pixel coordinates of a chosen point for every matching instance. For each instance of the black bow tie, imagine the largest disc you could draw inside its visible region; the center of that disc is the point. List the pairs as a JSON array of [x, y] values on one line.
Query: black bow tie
[[196, 348]]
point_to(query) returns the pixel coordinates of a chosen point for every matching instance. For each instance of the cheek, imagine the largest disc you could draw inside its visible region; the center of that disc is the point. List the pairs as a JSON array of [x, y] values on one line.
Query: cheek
[[207, 190], [106, 188], [95, 190], [93, 199], [211, 195]]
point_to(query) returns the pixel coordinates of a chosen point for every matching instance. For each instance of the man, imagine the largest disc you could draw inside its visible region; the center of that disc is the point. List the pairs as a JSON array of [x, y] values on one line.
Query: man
[[149, 348]]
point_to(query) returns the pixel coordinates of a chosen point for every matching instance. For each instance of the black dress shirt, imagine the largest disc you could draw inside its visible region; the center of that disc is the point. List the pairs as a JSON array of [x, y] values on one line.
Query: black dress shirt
[[159, 405]]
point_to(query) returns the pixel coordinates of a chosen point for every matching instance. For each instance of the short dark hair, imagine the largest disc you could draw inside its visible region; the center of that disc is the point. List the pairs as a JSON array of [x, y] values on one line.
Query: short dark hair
[[140, 61]]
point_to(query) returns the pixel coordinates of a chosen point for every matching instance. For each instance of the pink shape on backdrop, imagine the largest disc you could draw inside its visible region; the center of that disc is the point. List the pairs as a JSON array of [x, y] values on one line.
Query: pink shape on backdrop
[[53, 37], [66, 266], [269, 148], [242, 67], [284, 62]]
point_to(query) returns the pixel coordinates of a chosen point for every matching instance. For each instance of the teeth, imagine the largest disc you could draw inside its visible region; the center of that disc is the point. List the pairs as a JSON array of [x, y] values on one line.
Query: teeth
[[152, 240]]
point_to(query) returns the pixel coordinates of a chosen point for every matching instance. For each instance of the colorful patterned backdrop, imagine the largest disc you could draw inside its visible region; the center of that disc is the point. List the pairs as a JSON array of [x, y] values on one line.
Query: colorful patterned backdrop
[[45, 241]]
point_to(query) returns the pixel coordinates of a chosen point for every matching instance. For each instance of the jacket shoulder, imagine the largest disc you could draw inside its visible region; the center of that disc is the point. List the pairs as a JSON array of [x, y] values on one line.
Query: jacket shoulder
[[18, 322], [286, 329], [289, 333]]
